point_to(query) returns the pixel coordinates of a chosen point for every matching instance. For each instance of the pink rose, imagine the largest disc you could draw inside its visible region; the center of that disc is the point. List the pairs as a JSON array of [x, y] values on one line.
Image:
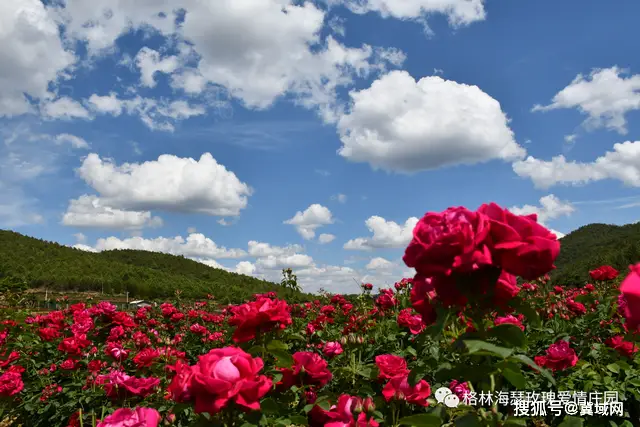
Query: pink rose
[[138, 417], [630, 290], [228, 374], [332, 349], [560, 356]]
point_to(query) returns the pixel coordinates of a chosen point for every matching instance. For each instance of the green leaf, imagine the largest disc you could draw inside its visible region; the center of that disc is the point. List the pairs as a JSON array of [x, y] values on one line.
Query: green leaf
[[421, 420], [530, 313], [515, 422], [468, 420], [308, 408], [570, 421], [277, 345], [635, 382], [509, 334], [256, 350], [527, 361], [411, 351], [365, 371], [299, 420], [324, 405], [487, 349], [416, 375], [515, 377], [613, 368], [283, 358]]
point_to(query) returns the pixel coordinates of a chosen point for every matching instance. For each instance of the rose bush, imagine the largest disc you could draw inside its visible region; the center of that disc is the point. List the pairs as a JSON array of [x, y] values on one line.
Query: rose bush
[[480, 318]]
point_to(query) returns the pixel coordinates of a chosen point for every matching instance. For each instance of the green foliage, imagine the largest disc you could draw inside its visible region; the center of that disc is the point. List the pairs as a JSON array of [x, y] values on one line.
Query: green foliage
[[29, 262], [594, 245]]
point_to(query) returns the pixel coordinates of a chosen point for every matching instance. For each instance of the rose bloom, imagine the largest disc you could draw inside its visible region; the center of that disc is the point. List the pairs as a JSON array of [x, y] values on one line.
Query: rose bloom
[[559, 356], [308, 369], [228, 374], [10, 384], [119, 385], [332, 349], [453, 239], [576, 307], [413, 321], [459, 389], [391, 366], [342, 414], [605, 272], [422, 294], [509, 319], [258, 316], [398, 388], [624, 348], [180, 387], [519, 244], [630, 290], [138, 417]]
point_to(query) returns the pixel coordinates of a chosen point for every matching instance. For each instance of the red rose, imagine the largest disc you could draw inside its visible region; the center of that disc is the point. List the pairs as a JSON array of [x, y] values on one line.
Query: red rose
[[413, 321], [560, 356], [630, 291], [398, 388], [138, 417], [624, 348], [48, 334], [387, 299], [576, 307], [10, 384], [422, 294], [332, 349], [519, 244], [180, 387], [68, 365], [453, 239], [509, 319], [258, 316], [605, 272], [119, 385], [391, 366], [226, 374], [308, 369], [74, 345]]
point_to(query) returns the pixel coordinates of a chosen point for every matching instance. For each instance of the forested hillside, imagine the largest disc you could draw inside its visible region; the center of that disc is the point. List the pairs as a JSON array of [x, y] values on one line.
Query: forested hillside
[[143, 274], [594, 245]]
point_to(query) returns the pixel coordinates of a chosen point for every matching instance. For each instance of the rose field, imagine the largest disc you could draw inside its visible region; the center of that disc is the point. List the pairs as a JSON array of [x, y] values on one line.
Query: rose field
[[480, 318]]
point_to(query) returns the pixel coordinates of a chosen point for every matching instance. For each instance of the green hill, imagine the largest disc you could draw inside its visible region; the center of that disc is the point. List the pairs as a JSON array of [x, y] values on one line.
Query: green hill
[[143, 274], [594, 245]]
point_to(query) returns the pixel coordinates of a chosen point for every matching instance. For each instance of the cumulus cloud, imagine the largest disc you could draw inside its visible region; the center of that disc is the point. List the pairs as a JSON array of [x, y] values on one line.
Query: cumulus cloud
[[458, 12], [310, 219], [551, 207], [622, 164], [31, 54], [386, 234], [170, 183], [605, 96], [196, 245], [325, 238], [150, 62], [89, 212], [379, 263], [245, 267], [64, 108], [400, 124], [75, 141], [261, 249], [284, 261]]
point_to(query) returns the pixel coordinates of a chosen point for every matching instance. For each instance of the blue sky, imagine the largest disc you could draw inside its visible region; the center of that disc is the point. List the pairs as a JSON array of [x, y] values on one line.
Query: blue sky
[[259, 134]]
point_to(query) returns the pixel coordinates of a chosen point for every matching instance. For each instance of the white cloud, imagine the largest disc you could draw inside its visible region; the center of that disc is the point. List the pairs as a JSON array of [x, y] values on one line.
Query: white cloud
[[325, 238], [170, 183], [89, 211], [386, 234], [84, 247], [75, 141], [263, 250], [31, 54], [551, 207], [458, 12], [64, 108], [312, 218], [284, 261], [342, 198], [211, 263], [149, 62], [106, 104], [623, 164], [398, 124], [379, 264], [605, 96], [196, 245], [246, 268]]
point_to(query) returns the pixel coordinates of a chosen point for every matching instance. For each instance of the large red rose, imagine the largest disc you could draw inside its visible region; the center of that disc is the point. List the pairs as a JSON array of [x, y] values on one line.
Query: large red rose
[[398, 388], [138, 417], [519, 244], [560, 356], [10, 384], [630, 291], [308, 368], [605, 272], [180, 387], [453, 239], [422, 296], [258, 316], [391, 366], [228, 374]]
